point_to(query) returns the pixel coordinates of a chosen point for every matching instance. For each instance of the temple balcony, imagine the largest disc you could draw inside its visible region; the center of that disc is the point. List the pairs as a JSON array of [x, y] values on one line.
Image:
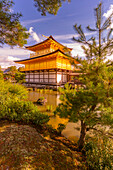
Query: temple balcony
[[41, 52], [32, 55]]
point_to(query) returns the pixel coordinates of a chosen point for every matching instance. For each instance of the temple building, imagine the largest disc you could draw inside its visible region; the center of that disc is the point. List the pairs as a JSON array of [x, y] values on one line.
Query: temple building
[[48, 65]]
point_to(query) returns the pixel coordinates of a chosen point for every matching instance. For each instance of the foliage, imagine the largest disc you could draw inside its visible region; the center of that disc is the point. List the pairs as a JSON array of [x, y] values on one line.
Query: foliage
[[11, 31], [61, 127], [99, 153], [50, 6], [12, 107], [1, 70], [9, 90], [1, 75], [12, 70], [103, 45], [92, 104], [87, 106], [49, 108], [24, 111], [20, 77]]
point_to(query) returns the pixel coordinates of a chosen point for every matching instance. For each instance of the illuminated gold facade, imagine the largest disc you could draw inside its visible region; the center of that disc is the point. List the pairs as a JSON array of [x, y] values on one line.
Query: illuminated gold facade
[[48, 64]]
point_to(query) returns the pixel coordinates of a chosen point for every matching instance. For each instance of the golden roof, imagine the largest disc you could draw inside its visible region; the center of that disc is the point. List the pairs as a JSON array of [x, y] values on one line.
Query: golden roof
[[49, 55], [46, 44]]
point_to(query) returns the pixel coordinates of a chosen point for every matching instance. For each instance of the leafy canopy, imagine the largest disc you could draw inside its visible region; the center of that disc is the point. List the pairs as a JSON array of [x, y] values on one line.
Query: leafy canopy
[[11, 31], [92, 104], [14, 105], [50, 6]]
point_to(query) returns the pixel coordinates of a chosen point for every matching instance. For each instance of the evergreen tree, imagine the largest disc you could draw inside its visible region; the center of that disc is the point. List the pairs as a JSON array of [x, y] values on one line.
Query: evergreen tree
[[92, 104], [11, 31], [50, 6], [20, 77]]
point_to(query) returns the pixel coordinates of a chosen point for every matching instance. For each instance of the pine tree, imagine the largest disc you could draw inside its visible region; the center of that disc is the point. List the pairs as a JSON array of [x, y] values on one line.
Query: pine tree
[[92, 104], [11, 31], [50, 6]]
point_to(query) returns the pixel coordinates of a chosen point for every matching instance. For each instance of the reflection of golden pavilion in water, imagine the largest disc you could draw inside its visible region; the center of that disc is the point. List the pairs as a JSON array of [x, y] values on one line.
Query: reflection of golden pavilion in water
[[48, 65]]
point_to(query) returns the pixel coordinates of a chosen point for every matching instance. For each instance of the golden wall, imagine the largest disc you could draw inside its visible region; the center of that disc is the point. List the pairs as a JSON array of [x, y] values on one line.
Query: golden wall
[[48, 63], [40, 64], [63, 63]]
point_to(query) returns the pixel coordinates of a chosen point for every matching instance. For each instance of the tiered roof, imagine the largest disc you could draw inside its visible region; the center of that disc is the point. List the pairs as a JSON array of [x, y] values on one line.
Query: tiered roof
[[59, 50], [47, 43]]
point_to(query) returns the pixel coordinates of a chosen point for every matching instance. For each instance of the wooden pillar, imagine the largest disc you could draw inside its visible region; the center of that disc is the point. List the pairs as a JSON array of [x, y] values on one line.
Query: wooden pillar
[[39, 76], [43, 76], [33, 77], [48, 76], [29, 77], [62, 77], [56, 75]]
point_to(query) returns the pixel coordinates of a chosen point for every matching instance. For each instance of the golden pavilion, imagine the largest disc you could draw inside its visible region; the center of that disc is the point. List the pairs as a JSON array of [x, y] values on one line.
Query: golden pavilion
[[48, 65]]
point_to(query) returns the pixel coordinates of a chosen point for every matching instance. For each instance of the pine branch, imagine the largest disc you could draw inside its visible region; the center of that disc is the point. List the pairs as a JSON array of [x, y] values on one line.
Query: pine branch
[[98, 16], [107, 22], [109, 34], [79, 30], [90, 29]]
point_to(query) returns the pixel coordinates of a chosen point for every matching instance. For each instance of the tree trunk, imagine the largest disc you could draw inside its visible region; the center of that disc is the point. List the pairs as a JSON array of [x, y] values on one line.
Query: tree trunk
[[82, 135]]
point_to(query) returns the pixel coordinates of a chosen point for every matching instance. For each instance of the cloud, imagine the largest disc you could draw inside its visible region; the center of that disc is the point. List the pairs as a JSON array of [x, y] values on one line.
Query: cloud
[[28, 22], [64, 37], [16, 51], [34, 35], [9, 55], [69, 36], [7, 61], [109, 12], [77, 50]]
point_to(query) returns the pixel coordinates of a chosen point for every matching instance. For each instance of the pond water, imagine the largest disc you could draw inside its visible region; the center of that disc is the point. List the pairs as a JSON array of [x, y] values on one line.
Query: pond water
[[72, 130]]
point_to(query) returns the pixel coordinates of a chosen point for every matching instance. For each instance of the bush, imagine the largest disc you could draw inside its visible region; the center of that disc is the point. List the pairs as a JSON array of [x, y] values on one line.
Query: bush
[[24, 111], [99, 154], [61, 127], [13, 107], [13, 90], [20, 77]]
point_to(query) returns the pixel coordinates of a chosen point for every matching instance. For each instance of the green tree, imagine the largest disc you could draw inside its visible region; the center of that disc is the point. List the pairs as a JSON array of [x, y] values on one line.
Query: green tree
[[13, 105], [1, 72], [20, 77], [92, 104], [50, 6], [11, 31], [12, 70]]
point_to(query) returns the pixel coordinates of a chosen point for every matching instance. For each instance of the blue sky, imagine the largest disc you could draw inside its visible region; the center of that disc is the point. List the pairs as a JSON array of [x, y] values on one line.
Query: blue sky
[[59, 26]]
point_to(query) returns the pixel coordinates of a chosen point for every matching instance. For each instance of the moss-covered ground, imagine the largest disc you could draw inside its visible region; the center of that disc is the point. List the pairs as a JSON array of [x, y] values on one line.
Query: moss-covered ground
[[23, 147]]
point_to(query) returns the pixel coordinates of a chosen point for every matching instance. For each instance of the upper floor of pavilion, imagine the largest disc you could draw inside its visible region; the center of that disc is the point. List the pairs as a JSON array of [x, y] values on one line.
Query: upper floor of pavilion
[[47, 46]]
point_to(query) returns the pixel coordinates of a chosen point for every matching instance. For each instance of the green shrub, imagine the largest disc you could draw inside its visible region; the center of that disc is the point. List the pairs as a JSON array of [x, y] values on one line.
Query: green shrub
[[49, 108], [13, 107], [25, 111], [1, 75], [61, 127], [99, 154], [13, 90], [20, 77]]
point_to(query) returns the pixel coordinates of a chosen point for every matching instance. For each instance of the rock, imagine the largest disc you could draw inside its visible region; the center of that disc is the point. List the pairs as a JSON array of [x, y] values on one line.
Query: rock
[[22, 147], [42, 101]]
